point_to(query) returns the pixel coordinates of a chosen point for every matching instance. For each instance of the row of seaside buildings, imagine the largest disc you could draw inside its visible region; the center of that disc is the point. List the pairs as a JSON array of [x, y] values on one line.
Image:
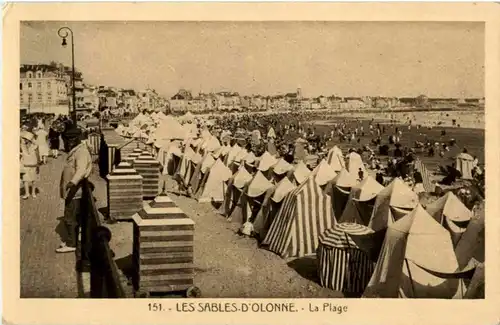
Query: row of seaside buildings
[[47, 88]]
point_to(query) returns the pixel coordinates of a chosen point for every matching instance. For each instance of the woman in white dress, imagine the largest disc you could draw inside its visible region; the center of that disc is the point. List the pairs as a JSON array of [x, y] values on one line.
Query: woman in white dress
[[42, 143]]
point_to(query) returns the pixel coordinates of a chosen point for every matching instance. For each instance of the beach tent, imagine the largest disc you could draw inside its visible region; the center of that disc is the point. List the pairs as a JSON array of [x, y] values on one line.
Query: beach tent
[[271, 148], [199, 172], [475, 289], [300, 150], [233, 152], [335, 158], [343, 265], [339, 189], [416, 261], [170, 128], [251, 199], [426, 176], [271, 134], [355, 163], [391, 204], [235, 187], [323, 173], [452, 214], [271, 206], [266, 162], [464, 164], [300, 173], [236, 163], [281, 168], [472, 242], [361, 201], [183, 171], [305, 214], [213, 183]]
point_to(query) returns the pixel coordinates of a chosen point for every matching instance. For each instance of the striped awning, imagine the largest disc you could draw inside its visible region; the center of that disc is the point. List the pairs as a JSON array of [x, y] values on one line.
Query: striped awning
[[339, 235]]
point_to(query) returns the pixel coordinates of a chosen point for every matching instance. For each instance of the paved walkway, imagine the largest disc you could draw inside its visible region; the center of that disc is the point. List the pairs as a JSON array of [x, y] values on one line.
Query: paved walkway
[[45, 274]]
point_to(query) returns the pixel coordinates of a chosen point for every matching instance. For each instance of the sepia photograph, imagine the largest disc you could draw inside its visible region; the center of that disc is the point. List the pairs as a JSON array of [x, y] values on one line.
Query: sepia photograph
[[247, 159], [193, 160]]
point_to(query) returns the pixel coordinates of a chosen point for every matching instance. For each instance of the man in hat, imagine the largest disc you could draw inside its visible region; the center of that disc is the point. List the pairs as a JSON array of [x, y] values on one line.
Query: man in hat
[[77, 168]]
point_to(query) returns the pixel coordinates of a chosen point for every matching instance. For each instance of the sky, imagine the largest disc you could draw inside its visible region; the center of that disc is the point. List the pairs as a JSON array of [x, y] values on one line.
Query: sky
[[442, 59]]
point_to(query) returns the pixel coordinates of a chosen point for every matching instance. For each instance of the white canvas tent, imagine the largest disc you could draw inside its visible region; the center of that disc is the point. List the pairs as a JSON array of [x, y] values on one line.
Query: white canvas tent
[[355, 163], [391, 204], [452, 214], [251, 199], [300, 173], [271, 206], [415, 245], [324, 173], [213, 183], [335, 158], [235, 187], [360, 203], [339, 189]]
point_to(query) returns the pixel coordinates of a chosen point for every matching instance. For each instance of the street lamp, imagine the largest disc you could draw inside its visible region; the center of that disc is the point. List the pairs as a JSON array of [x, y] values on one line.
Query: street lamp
[[64, 32]]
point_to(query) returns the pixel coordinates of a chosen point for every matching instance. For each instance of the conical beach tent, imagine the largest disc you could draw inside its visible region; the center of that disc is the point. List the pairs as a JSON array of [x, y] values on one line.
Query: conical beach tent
[[361, 201], [213, 183], [355, 163], [452, 214], [323, 173], [335, 158], [271, 206], [235, 187], [305, 214], [339, 189], [391, 204], [416, 248]]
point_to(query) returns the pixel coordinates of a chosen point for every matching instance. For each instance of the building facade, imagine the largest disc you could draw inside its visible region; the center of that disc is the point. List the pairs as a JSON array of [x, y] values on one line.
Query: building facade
[[43, 89]]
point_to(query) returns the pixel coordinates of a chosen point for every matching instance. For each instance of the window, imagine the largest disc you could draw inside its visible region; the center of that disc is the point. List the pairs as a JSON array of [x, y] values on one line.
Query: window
[[49, 97], [29, 85], [20, 86], [39, 74], [48, 85], [29, 74], [39, 85]]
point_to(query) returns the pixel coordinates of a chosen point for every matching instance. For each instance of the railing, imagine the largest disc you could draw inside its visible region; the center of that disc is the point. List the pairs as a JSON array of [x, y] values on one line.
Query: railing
[[96, 255]]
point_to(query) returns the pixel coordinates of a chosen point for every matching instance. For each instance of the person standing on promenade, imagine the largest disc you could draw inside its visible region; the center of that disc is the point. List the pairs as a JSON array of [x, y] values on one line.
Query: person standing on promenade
[[77, 167], [42, 143], [30, 161]]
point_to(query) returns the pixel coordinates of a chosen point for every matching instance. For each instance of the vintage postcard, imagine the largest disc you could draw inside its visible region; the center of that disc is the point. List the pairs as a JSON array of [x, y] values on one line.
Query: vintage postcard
[[251, 163]]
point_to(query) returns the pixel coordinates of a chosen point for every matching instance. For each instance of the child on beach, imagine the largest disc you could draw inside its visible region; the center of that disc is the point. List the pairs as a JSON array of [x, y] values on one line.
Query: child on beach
[[30, 161]]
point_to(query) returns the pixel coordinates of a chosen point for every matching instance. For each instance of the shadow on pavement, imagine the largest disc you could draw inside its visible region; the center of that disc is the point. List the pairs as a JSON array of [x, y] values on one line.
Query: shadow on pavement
[[306, 267], [61, 229]]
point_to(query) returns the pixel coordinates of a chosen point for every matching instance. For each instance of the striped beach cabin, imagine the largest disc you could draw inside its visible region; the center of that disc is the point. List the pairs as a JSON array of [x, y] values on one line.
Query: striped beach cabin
[[305, 214]]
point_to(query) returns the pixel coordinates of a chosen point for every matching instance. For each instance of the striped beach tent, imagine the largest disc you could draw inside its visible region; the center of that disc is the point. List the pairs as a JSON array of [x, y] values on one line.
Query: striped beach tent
[[343, 265], [464, 164], [452, 214], [213, 184], [339, 189], [305, 214], [94, 142], [422, 169], [335, 158], [391, 204], [360, 203], [271, 206]]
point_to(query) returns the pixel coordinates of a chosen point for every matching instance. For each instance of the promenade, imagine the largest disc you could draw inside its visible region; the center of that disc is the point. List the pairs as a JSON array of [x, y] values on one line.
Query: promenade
[[226, 265]]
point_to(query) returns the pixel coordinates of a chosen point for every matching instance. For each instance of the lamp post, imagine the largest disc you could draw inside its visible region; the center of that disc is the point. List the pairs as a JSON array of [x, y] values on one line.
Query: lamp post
[[63, 33]]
